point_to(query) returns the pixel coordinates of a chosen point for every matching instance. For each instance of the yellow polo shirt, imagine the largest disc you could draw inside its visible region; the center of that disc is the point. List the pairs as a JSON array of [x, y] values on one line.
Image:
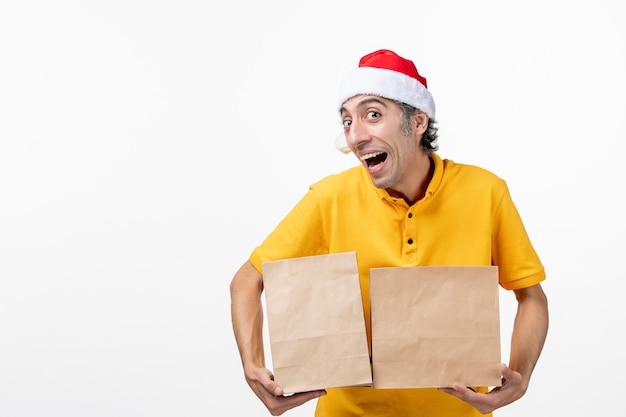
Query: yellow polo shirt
[[466, 218]]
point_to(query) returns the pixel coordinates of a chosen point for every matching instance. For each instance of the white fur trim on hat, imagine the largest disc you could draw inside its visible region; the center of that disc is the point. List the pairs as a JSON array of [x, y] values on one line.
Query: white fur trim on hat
[[388, 84]]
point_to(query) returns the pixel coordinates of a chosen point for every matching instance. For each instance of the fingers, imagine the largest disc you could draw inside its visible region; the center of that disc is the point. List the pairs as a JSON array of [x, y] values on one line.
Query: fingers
[[272, 394], [280, 404], [510, 390], [460, 391]]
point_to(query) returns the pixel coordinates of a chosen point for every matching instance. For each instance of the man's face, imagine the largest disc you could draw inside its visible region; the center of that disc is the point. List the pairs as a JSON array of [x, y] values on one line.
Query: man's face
[[373, 129]]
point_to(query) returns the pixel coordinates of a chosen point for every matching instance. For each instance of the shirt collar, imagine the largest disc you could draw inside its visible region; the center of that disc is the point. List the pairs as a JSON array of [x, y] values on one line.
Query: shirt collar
[[432, 188]]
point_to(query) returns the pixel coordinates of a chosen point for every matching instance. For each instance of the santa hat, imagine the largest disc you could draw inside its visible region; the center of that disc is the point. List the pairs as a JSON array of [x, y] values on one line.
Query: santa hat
[[386, 74]]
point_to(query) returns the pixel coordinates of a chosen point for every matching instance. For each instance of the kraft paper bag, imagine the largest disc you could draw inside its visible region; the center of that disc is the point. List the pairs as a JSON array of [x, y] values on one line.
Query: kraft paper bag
[[315, 322], [433, 326]]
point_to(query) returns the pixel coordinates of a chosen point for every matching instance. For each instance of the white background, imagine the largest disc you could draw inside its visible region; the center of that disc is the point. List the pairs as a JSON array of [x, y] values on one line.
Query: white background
[[146, 147]]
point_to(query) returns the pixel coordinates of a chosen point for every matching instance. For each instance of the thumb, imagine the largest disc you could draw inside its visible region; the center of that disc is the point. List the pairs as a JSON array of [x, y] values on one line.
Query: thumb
[[504, 370], [504, 373], [271, 385]]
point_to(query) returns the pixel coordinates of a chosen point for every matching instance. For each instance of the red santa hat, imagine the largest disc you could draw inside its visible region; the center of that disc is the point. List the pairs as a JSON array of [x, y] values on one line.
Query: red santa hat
[[386, 74]]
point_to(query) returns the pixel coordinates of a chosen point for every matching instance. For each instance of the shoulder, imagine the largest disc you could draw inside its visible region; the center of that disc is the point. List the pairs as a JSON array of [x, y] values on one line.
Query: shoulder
[[469, 169], [472, 181], [349, 189], [471, 174], [348, 181]]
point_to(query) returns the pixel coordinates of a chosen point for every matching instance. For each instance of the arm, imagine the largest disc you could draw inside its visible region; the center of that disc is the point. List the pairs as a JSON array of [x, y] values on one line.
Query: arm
[[246, 288], [529, 334], [529, 331]]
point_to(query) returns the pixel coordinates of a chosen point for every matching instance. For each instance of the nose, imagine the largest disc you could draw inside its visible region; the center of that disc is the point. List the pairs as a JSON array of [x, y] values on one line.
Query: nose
[[357, 134]]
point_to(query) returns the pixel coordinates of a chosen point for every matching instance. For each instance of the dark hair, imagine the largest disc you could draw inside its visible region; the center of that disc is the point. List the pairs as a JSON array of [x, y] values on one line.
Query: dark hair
[[429, 138]]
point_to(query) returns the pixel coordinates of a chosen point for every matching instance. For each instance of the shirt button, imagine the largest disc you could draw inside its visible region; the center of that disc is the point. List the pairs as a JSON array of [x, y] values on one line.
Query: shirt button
[[410, 215], [410, 241]]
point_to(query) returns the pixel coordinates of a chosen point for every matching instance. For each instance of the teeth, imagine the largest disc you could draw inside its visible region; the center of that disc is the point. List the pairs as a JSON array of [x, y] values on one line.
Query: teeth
[[370, 155]]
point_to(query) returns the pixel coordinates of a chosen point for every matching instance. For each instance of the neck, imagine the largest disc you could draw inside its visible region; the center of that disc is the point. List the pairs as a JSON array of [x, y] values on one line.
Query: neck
[[424, 173]]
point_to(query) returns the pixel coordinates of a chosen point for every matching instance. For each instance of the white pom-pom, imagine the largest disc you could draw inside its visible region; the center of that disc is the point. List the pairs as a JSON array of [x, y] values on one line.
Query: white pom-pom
[[341, 144]]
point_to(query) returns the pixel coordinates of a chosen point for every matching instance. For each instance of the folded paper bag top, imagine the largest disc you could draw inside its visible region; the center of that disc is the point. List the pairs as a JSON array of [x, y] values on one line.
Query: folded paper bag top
[[433, 326], [315, 322]]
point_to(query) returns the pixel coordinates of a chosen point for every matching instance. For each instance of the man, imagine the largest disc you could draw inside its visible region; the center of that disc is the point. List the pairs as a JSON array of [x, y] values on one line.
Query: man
[[402, 206]]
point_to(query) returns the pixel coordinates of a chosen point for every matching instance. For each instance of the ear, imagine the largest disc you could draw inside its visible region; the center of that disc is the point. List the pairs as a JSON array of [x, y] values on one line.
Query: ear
[[421, 122]]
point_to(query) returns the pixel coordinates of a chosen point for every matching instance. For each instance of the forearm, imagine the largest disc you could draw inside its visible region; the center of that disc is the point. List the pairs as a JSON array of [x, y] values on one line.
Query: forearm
[[247, 315], [529, 331]]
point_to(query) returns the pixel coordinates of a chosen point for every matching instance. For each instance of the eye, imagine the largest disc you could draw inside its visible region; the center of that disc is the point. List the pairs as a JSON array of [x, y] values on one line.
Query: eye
[[346, 123], [373, 115]]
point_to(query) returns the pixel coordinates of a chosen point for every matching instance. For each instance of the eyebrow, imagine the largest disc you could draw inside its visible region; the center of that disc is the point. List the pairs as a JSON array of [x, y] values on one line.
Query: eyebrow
[[364, 103]]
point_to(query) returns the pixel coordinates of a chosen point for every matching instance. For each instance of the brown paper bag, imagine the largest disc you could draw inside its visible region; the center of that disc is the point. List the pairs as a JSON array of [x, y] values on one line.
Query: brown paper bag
[[434, 326], [315, 322]]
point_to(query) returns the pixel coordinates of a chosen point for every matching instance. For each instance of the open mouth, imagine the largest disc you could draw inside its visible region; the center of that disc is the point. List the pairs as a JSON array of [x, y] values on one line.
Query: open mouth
[[374, 159]]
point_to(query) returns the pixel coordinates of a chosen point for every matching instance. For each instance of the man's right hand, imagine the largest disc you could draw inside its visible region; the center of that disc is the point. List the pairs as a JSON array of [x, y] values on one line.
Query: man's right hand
[[262, 383]]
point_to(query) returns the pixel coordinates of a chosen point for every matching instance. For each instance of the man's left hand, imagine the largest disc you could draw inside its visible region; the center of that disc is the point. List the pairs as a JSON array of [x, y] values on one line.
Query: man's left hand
[[512, 389]]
